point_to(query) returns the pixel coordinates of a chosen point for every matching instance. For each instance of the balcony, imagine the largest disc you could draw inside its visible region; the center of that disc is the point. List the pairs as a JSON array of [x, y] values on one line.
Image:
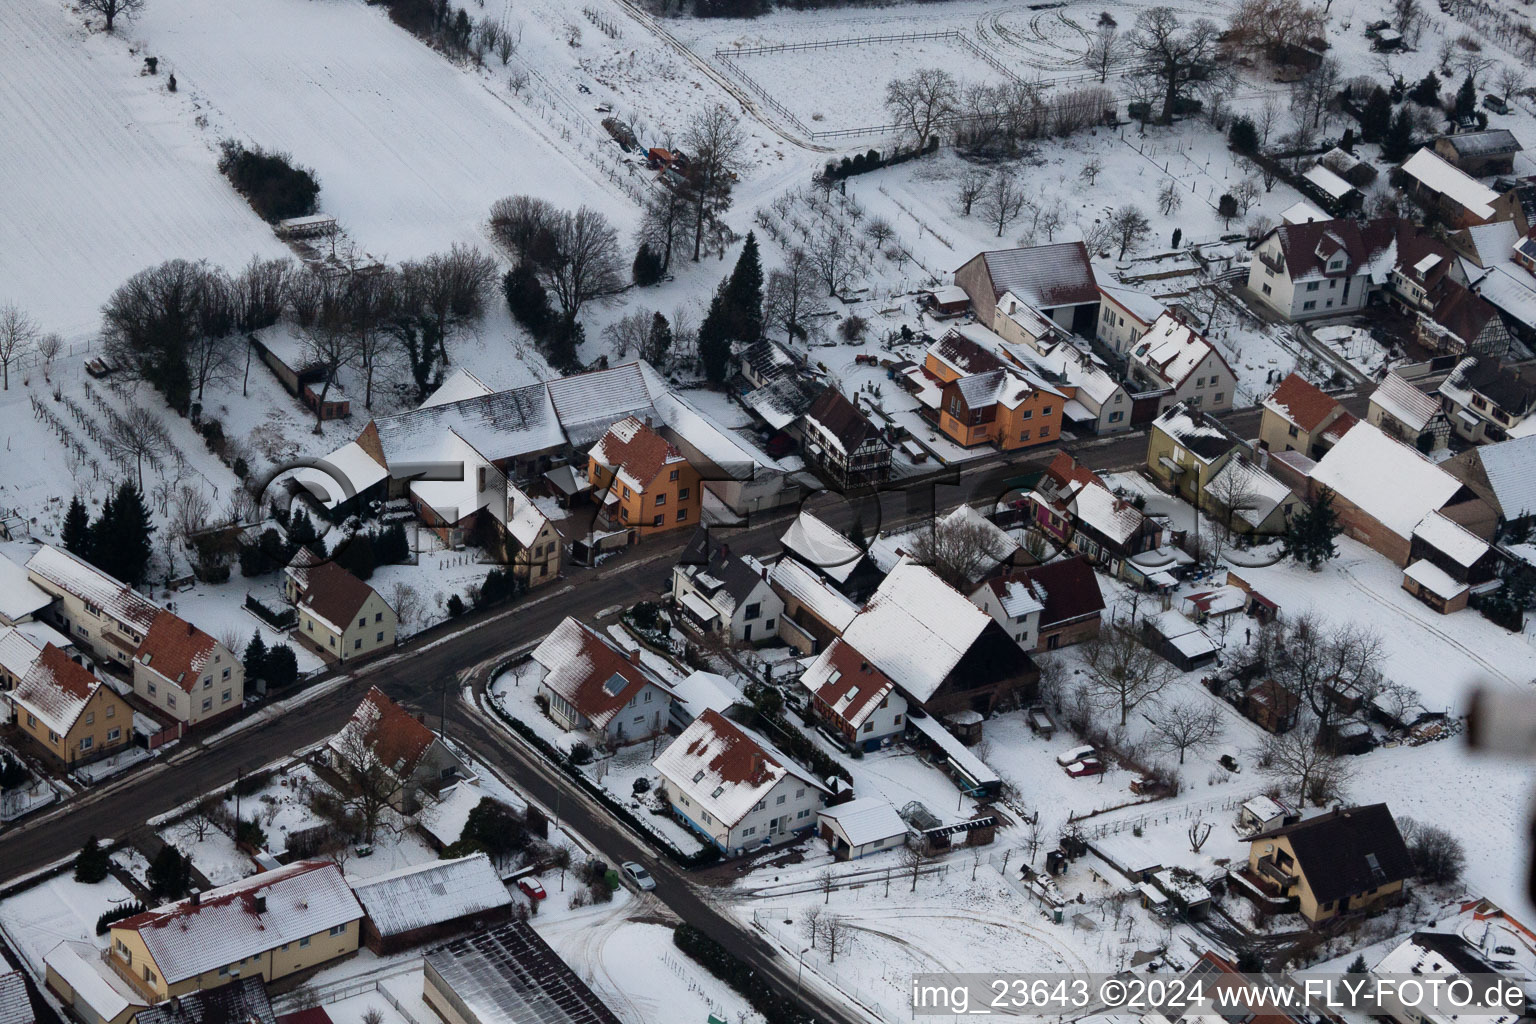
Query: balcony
[[1275, 263], [1276, 876]]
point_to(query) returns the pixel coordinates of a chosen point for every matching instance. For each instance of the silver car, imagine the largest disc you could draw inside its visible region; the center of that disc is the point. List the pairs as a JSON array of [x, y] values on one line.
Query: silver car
[[637, 874]]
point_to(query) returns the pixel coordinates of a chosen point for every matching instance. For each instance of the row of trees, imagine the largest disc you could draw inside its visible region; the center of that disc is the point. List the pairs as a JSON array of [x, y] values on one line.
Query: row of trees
[[118, 540], [990, 119]]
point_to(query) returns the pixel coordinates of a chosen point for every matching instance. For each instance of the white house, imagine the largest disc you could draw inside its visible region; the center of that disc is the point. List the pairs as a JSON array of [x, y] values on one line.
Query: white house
[[860, 827], [719, 593], [1125, 314], [1321, 268], [591, 686], [1013, 604], [854, 696], [733, 788], [1174, 356]]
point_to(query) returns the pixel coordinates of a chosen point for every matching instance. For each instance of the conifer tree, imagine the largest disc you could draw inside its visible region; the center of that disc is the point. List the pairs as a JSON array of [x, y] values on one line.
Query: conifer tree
[[1310, 538], [130, 534], [715, 337], [744, 294], [255, 657], [76, 535]]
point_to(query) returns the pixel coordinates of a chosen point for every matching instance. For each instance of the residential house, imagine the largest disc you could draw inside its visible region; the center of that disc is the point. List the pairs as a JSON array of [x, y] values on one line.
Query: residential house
[[725, 594], [269, 926], [1220, 984], [1445, 562], [860, 827], [1067, 593], [102, 614], [1486, 401], [20, 647], [1351, 858], [1125, 314], [1186, 448], [814, 611], [764, 362], [1462, 321], [382, 739], [1017, 323], [1455, 196], [647, 486], [831, 555], [21, 600], [1382, 489], [843, 444], [732, 787], [507, 974], [75, 972], [591, 686], [72, 716], [1321, 268], [242, 1001], [1055, 279], [1174, 358], [943, 652], [1503, 475], [991, 548], [1402, 411], [1075, 509], [700, 691], [1096, 402], [338, 615], [1435, 957], [1512, 291], [427, 902], [1297, 417], [854, 697], [1480, 154], [1249, 500], [1179, 640]]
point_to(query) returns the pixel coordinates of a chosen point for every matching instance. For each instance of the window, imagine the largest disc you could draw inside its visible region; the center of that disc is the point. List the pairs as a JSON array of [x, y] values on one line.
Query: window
[[378, 637], [1023, 435], [113, 735], [111, 710], [682, 515], [781, 799], [1292, 431], [896, 720], [626, 492], [1199, 382], [1267, 289], [31, 722], [750, 830], [149, 976], [682, 494], [1216, 398], [170, 700], [224, 971], [869, 726], [363, 621], [768, 624], [86, 742], [659, 520], [1046, 411], [207, 703], [225, 699], [1116, 417], [804, 814], [224, 676], [1313, 286], [1215, 379], [1309, 305], [340, 929], [799, 792], [1045, 431], [309, 624], [151, 687], [673, 475], [331, 640], [208, 683], [1333, 283], [90, 718], [752, 611], [647, 696], [661, 499], [379, 616], [1027, 414], [304, 942]]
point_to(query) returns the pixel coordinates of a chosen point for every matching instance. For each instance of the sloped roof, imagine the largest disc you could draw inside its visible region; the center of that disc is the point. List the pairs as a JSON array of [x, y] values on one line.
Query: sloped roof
[[80, 965], [726, 768], [1404, 402], [587, 403], [1330, 183], [19, 596], [841, 419], [18, 651], [1045, 276], [963, 354], [847, 682], [1300, 402], [1173, 350], [1145, 308], [1434, 579], [438, 892], [1336, 850], [866, 819], [824, 549], [916, 628], [15, 1004], [792, 579], [504, 424], [1438, 175], [393, 734], [1511, 470], [1489, 142], [1068, 589], [176, 650], [242, 1001], [459, 385], [1388, 480], [1198, 431], [333, 594], [1240, 477], [1507, 387], [1451, 539], [1370, 248], [228, 924], [700, 691], [56, 690], [589, 672], [511, 974], [1462, 312], [635, 452], [78, 577]]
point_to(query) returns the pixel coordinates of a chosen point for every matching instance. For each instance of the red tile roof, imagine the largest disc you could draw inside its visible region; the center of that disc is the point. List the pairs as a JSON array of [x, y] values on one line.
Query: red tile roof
[[1068, 589], [579, 665], [635, 451], [394, 735], [176, 649], [1301, 402], [854, 679]]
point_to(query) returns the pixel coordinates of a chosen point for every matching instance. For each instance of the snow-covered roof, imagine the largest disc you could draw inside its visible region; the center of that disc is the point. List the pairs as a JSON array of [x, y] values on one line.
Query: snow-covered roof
[[1442, 177], [818, 545], [1511, 470], [1018, 598], [730, 452], [1494, 242], [1302, 212], [250, 916], [726, 768], [1434, 579], [1239, 477], [1143, 307], [79, 578], [15, 1005], [1097, 506], [916, 628], [1301, 403], [635, 452], [949, 294], [444, 818], [1512, 290], [1172, 350], [1488, 142], [1404, 402], [1331, 184], [504, 425], [524, 520], [1451, 539], [847, 683], [1264, 808], [702, 691], [510, 974], [89, 977], [20, 598], [435, 893], [1045, 276], [459, 385], [18, 651], [453, 492], [346, 472], [1183, 635], [792, 579], [1385, 478], [588, 403], [865, 819], [395, 737], [595, 677], [56, 690]]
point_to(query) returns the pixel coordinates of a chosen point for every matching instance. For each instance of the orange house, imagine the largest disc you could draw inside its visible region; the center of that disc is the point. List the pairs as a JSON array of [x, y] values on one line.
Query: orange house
[[645, 483], [1001, 408]]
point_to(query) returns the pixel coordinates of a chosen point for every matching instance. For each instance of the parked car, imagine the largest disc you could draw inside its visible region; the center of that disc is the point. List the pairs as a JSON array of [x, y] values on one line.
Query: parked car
[[1495, 104], [1086, 767], [637, 874], [1075, 754], [531, 887]]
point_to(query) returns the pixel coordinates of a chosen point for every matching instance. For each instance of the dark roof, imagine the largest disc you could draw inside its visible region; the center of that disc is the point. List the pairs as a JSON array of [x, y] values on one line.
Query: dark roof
[[1454, 950], [239, 1002], [841, 418], [1045, 276], [15, 1006], [964, 354], [1301, 242], [1509, 388], [1198, 431], [1461, 312], [1347, 851], [1490, 142], [333, 593], [510, 974], [768, 359], [1071, 591], [739, 578]]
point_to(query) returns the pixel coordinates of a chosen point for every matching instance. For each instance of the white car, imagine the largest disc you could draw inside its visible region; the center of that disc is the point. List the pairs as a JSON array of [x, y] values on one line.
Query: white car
[[1075, 754], [637, 874]]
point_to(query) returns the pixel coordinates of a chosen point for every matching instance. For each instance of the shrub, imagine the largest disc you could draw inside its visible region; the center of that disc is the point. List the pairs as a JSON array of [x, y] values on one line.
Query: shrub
[[117, 914], [455, 606], [270, 182], [91, 865], [580, 753], [719, 961], [852, 329], [647, 267]]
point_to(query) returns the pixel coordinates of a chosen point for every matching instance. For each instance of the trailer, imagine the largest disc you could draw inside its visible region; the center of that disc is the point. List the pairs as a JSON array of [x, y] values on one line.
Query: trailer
[[313, 226]]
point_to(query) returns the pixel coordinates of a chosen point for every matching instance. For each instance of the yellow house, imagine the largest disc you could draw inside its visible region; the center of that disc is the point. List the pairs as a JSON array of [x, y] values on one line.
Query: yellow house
[[270, 925], [1346, 860], [71, 714], [645, 483], [338, 615]]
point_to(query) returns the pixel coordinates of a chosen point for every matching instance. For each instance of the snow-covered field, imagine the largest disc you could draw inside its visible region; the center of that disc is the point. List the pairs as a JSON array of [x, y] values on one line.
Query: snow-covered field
[[61, 908]]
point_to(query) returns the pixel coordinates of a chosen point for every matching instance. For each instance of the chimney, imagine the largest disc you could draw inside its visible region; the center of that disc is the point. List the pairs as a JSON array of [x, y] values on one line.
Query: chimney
[[647, 423], [261, 904], [763, 569], [634, 656], [191, 629], [196, 898]]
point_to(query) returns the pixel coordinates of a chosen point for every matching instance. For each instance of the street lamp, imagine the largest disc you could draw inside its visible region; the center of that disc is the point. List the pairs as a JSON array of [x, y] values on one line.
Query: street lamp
[[800, 970]]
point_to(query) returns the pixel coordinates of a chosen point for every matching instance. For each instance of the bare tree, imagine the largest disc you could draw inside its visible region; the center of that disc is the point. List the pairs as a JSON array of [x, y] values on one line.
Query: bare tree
[[1408, 16], [664, 223], [1032, 835], [1469, 59], [522, 225], [791, 300], [370, 783], [629, 333], [1199, 832], [714, 141], [1176, 56], [193, 514], [508, 42], [1323, 664], [1092, 168], [1245, 192], [111, 10], [1103, 51], [1122, 671], [959, 549], [1177, 728], [49, 346], [1268, 119], [204, 819], [329, 343], [1302, 765], [138, 435], [879, 231], [406, 602], [1510, 81], [1003, 200], [1128, 228], [825, 883], [810, 923], [1169, 198], [586, 263], [920, 101], [447, 290], [18, 333], [1265, 28], [970, 187], [1314, 92], [914, 856], [834, 258], [836, 936]]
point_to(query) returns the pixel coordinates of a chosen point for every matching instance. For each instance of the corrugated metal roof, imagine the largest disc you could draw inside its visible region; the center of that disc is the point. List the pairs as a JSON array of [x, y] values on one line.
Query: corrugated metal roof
[[431, 894]]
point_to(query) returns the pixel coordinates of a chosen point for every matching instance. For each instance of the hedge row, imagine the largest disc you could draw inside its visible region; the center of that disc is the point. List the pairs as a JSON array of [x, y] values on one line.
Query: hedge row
[[716, 959]]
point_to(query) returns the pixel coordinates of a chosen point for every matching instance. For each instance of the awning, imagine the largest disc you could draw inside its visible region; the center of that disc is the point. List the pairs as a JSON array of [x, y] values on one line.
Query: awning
[[698, 608], [1169, 464]]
